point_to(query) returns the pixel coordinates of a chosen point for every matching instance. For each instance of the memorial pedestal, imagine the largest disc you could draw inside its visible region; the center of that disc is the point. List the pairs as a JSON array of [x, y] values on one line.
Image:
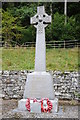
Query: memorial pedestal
[[39, 85]]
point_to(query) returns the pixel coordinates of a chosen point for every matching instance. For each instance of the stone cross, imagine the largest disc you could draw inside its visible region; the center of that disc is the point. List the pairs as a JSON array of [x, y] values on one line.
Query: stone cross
[[39, 84], [40, 21]]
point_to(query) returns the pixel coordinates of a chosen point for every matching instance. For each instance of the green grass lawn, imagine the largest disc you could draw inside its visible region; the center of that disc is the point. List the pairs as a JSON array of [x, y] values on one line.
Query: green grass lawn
[[24, 59]]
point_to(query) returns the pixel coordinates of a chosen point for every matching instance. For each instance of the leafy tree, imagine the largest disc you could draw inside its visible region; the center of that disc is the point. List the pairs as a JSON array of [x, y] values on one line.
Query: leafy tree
[[10, 29], [16, 21], [29, 35], [59, 31]]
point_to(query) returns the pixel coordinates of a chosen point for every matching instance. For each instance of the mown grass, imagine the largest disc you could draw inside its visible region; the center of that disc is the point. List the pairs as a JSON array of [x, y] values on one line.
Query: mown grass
[[24, 59]]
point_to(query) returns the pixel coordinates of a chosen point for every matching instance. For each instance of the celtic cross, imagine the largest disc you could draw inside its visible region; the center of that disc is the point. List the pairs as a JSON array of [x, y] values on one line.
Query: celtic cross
[[40, 21]]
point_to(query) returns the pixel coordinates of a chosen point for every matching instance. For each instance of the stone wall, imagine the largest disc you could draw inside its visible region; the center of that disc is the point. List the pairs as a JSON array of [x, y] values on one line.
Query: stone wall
[[65, 84]]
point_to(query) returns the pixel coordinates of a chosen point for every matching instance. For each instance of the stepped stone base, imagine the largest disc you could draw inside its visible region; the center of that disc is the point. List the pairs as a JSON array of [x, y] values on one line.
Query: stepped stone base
[[39, 85], [36, 107]]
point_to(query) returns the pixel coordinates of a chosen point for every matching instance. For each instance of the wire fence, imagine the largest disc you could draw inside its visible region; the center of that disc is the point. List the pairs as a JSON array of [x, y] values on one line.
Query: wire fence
[[49, 44]]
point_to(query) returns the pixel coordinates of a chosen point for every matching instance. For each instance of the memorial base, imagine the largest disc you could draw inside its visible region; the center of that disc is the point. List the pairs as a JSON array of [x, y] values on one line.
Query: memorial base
[[39, 85], [36, 107]]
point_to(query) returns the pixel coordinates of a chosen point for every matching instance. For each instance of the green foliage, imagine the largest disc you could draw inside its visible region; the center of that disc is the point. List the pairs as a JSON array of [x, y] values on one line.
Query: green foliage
[[16, 24], [28, 34], [16, 21], [59, 31], [78, 26], [10, 29]]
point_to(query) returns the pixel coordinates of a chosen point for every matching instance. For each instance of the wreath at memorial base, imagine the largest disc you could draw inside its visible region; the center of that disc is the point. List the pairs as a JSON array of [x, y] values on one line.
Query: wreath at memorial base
[[28, 103], [46, 104]]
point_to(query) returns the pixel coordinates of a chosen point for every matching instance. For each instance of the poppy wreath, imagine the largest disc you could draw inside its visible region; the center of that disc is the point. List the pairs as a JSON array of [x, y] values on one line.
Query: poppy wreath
[[28, 103], [49, 105], [47, 108]]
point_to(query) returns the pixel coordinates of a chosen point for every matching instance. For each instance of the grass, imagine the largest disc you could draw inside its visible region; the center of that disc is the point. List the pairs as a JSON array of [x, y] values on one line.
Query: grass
[[24, 59], [0, 58]]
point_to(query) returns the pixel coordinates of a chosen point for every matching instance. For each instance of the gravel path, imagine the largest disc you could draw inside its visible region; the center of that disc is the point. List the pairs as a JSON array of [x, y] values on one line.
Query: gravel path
[[8, 106]]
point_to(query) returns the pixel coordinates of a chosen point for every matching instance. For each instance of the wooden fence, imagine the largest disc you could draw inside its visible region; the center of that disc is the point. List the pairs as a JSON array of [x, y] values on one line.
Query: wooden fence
[[49, 44]]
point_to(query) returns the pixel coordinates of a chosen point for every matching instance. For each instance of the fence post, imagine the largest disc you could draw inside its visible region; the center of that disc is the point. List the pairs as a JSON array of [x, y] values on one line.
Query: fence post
[[54, 44], [64, 44], [76, 43]]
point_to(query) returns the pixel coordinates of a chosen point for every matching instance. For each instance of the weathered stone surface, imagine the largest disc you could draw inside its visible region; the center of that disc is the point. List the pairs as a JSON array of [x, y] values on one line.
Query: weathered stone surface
[[22, 104], [38, 22], [35, 107], [39, 85]]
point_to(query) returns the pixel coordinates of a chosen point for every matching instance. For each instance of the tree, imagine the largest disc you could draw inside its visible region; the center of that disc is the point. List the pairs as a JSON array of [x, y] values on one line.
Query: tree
[[16, 21], [57, 30], [10, 29]]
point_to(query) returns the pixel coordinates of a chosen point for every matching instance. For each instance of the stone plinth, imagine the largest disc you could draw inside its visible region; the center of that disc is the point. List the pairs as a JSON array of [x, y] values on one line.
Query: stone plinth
[[35, 107], [39, 85]]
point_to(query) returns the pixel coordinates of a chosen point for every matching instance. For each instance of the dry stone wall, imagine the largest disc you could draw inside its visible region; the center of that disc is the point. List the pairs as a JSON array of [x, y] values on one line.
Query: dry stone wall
[[65, 84]]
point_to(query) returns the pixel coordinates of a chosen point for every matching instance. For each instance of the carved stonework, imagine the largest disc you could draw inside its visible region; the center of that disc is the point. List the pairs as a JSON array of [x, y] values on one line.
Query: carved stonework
[[39, 84], [41, 19], [40, 28], [40, 10]]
